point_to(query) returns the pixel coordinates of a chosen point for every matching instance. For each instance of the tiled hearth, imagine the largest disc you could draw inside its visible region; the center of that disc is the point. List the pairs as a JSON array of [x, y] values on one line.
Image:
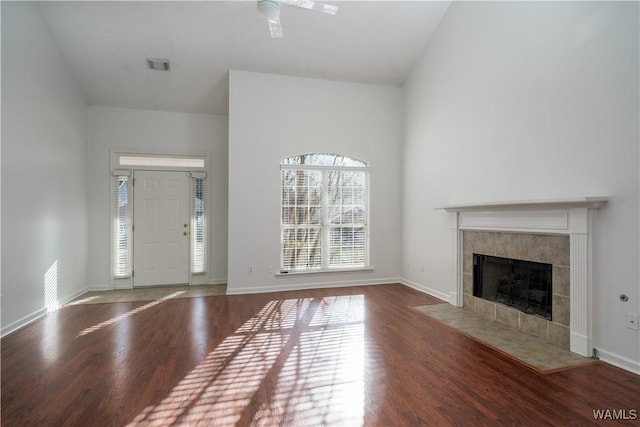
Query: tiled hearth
[[549, 249]]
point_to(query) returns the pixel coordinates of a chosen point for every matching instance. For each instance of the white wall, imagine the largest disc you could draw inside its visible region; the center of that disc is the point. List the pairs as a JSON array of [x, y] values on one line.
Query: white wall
[[44, 192], [529, 100], [272, 117], [141, 131]]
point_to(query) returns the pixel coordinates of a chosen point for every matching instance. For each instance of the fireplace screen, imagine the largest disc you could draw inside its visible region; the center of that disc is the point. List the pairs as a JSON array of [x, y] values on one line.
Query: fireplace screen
[[523, 285]]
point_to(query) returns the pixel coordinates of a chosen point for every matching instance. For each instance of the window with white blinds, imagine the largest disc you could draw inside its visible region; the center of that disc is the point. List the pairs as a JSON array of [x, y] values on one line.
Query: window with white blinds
[[325, 211], [121, 239], [199, 225]]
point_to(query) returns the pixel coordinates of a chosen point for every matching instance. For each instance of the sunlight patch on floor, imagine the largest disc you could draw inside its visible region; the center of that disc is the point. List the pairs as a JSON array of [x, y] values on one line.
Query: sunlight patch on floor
[[312, 349], [83, 300], [127, 314]]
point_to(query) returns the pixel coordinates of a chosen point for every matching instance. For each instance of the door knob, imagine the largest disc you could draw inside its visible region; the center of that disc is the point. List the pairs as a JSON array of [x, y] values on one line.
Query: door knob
[[186, 225], [185, 233]]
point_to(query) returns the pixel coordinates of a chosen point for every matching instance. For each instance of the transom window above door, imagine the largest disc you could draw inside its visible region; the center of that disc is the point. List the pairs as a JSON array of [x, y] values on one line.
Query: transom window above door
[[160, 161]]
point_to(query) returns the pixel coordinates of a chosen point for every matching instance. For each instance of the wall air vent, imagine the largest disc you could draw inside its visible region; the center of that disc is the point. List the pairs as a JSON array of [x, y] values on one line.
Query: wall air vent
[[158, 64]]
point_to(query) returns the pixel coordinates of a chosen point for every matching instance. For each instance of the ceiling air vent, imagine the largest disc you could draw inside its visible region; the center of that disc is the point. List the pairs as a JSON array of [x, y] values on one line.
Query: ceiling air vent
[[158, 64]]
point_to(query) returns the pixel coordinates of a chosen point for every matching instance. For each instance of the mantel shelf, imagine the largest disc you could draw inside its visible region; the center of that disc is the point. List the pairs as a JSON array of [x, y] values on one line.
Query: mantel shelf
[[592, 202]]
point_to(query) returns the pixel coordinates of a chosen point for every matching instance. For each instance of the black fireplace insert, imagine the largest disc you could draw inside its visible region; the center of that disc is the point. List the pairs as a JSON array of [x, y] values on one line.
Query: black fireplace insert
[[524, 285]]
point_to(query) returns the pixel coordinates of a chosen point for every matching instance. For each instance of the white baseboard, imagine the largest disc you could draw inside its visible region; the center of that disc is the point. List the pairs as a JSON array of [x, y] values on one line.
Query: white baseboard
[[619, 361], [98, 288], [305, 286], [23, 321], [208, 282], [427, 290], [127, 286], [29, 318]]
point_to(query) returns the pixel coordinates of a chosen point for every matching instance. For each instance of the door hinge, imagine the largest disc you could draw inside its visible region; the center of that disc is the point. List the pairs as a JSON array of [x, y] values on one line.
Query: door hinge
[[133, 227], [133, 273]]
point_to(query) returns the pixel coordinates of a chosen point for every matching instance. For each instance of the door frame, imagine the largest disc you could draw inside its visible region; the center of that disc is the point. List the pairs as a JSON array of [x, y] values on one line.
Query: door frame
[[126, 282]]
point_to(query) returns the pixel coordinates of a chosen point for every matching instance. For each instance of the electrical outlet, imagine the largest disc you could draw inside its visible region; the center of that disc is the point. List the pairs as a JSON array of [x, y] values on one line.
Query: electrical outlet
[[632, 321]]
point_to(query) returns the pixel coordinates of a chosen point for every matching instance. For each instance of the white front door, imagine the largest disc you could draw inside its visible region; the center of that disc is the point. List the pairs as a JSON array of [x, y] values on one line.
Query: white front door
[[161, 228]]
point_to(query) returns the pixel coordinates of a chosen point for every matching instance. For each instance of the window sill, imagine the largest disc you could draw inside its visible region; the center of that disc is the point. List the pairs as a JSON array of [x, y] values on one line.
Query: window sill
[[323, 271]]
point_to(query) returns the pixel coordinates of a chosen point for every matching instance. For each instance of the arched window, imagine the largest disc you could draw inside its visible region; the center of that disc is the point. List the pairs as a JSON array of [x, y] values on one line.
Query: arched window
[[325, 213]]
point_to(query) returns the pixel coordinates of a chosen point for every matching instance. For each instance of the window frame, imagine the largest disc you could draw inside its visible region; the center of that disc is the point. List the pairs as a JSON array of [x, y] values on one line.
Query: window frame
[[326, 225], [118, 270], [199, 268]]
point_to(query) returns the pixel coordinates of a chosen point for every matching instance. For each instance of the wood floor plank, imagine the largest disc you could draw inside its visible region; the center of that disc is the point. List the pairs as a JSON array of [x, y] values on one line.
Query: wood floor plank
[[349, 356]]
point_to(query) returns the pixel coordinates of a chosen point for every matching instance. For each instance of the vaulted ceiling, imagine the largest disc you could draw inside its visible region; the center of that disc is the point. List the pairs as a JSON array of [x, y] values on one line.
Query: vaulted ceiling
[[107, 43]]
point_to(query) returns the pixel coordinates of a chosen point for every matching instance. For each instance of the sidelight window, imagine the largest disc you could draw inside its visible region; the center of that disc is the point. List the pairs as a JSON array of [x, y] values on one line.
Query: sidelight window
[[121, 242], [199, 224]]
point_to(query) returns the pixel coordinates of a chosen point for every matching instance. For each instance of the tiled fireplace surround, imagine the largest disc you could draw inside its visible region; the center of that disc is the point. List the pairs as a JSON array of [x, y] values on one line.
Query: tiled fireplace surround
[[549, 249], [559, 232]]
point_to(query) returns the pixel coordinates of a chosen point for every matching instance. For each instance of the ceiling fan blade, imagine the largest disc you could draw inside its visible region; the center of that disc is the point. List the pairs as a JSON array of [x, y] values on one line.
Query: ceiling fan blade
[[329, 9], [275, 28]]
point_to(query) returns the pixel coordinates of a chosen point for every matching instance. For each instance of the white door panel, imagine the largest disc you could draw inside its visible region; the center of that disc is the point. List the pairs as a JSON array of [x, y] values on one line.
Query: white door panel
[[161, 233], [150, 222]]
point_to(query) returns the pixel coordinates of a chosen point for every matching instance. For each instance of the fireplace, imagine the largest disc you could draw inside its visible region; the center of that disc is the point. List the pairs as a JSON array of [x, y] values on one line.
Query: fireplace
[[556, 231], [523, 285]]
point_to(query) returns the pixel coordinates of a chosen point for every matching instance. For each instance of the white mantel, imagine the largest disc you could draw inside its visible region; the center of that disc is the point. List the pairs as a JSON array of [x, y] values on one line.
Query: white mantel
[[566, 203], [569, 216]]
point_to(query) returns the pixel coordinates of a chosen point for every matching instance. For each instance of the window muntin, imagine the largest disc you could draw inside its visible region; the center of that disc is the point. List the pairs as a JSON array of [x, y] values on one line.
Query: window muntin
[[324, 212]]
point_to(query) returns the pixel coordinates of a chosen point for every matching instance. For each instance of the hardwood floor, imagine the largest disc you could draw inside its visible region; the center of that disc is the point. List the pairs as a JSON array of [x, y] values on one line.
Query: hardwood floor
[[339, 357]]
